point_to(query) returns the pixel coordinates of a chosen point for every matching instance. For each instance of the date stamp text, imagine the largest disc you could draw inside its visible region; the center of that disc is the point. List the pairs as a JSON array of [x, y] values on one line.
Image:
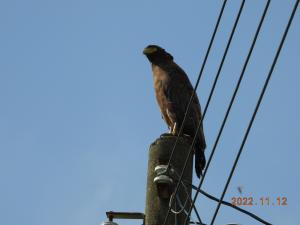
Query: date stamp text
[[262, 201]]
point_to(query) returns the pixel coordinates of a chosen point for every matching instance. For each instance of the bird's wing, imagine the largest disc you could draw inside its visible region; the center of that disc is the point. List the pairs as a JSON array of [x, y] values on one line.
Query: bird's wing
[[175, 91], [178, 92]]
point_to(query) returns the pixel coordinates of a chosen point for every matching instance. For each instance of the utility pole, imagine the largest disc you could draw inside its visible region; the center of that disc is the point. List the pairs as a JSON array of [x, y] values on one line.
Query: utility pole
[[160, 186]]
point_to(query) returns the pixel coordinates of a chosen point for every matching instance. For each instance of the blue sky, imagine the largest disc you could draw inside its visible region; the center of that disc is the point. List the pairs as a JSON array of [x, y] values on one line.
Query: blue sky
[[78, 111]]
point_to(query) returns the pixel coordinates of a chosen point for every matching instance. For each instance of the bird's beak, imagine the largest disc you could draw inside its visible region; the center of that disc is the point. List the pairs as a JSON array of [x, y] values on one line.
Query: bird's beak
[[149, 50]]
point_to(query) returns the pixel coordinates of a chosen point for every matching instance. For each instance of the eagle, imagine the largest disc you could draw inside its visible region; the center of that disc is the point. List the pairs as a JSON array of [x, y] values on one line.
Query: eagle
[[173, 91]]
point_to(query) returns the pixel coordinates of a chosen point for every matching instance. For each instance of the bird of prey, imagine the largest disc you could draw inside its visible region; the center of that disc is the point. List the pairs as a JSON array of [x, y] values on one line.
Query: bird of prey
[[173, 91]]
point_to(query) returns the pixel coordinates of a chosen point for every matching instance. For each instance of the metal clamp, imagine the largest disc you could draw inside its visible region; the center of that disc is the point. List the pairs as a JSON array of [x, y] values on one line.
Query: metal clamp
[[123, 215]]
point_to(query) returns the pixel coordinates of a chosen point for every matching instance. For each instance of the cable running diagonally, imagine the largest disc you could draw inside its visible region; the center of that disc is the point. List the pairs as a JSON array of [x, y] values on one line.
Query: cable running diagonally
[[257, 107], [197, 82], [230, 104], [185, 183], [209, 99], [228, 204], [190, 199]]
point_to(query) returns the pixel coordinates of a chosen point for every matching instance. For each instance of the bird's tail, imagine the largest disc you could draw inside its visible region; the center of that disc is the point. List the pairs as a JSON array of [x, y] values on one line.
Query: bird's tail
[[199, 158]]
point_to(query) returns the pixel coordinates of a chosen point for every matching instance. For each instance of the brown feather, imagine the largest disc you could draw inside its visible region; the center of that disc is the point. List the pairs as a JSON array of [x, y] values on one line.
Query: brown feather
[[173, 91]]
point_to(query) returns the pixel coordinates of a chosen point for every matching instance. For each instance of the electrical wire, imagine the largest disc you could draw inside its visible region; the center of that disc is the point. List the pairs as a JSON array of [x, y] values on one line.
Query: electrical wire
[[175, 214], [181, 205], [208, 101], [228, 204], [230, 104], [197, 82], [185, 182], [187, 192], [188, 198], [257, 107]]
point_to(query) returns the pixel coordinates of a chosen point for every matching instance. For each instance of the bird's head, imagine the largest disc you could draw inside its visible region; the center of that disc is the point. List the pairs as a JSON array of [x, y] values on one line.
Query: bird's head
[[156, 54]]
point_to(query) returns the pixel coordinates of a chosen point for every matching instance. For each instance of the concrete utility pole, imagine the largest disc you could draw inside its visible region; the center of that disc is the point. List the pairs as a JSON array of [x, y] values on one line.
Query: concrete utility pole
[[158, 195]]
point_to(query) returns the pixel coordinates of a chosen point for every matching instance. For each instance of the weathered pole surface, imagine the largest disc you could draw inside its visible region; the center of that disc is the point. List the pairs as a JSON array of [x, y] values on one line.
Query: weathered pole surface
[[159, 154]]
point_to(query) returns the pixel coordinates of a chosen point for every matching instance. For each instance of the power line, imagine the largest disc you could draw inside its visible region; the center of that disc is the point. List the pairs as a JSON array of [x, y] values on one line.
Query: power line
[[257, 107], [209, 99], [198, 80], [230, 104], [185, 182], [188, 196], [228, 204], [180, 181]]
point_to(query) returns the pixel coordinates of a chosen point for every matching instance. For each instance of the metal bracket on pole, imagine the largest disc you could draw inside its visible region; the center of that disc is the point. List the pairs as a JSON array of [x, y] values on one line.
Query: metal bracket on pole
[[123, 215]]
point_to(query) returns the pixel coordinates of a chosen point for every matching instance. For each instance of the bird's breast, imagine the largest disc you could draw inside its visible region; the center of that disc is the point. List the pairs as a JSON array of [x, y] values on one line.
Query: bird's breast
[[161, 80], [160, 77]]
